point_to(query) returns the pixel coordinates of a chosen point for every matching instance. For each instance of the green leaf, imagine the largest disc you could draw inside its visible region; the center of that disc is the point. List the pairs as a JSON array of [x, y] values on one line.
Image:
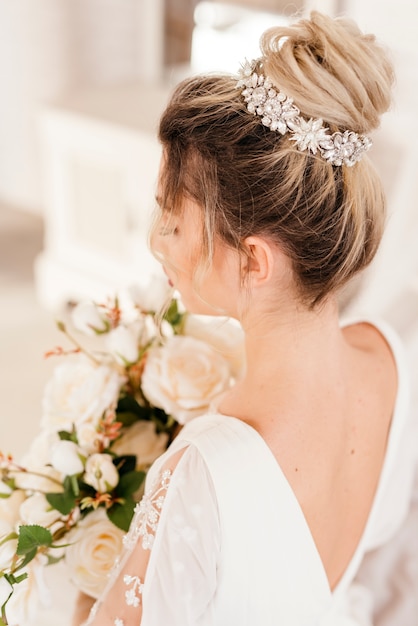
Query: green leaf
[[65, 435], [54, 559], [86, 490], [163, 422], [28, 558], [15, 580], [127, 418], [129, 410], [9, 482], [63, 502], [174, 317], [19, 579], [32, 537], [125, 463], [129, 483], [121, 514], [74, 485]]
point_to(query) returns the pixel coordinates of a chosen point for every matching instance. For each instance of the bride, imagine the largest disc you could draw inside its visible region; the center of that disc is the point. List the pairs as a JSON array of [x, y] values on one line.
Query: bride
[[261, 511]]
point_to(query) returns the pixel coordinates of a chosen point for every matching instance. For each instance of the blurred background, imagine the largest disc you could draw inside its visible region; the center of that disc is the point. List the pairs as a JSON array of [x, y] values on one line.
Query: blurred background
[[83, 85]]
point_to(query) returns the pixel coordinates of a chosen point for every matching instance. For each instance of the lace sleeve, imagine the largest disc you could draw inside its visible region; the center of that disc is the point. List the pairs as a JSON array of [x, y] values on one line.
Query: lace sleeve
[[147, 513], [165, 553]]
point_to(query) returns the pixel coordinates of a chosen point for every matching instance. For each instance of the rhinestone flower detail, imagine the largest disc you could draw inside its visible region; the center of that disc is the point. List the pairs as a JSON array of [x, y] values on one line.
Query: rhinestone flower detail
[[345, 148], [309, 135], [278, 113], [263, 99]]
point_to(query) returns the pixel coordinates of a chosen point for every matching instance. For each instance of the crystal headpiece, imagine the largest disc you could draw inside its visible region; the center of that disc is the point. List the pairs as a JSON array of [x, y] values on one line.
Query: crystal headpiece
[[278, 113]]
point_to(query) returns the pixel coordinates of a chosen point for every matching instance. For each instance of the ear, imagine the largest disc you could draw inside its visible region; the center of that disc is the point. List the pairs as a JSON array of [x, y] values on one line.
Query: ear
[[259, 261]]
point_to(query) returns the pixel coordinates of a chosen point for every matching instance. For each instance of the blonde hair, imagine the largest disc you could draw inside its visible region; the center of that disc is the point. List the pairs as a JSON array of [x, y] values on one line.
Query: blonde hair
[[252, 181]]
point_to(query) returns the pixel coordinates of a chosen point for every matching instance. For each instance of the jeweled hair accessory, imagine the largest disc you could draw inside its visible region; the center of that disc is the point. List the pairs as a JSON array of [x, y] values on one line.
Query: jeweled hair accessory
[[278, 113]]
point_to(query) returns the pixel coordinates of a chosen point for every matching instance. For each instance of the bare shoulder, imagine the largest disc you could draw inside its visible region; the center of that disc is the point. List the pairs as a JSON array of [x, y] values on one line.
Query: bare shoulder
[[368, 338], [374, 355]]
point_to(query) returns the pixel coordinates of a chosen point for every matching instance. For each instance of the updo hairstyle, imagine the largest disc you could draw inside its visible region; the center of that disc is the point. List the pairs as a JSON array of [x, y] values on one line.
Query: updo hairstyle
[[250, 180]]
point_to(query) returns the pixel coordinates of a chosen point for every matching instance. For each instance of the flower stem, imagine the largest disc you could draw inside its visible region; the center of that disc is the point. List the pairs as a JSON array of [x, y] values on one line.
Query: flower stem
[[62, 327], [3, 619], [23, 470]]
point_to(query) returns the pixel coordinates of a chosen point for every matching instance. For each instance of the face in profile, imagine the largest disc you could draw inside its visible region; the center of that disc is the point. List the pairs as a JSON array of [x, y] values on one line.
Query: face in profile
[[178, 244]]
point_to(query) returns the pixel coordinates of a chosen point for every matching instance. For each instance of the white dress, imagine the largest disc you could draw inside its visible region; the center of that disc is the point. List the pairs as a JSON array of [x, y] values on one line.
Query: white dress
[[226, 542]]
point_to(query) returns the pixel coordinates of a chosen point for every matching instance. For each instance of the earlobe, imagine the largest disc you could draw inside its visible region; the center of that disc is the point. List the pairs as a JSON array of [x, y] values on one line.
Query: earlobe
[[259, 261]]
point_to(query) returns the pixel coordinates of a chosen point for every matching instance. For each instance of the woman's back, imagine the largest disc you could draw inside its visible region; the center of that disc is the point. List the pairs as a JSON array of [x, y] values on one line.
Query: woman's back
[[231, 543], [255, 546], [330, 442]]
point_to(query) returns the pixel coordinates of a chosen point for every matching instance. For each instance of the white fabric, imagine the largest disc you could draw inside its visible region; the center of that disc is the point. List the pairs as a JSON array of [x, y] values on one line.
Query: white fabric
[[391, 571], [232, 545]]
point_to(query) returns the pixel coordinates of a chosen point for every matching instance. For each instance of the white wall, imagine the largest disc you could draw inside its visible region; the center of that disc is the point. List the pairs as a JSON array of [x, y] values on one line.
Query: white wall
[[394, 22], [35, 66], [48, 48]]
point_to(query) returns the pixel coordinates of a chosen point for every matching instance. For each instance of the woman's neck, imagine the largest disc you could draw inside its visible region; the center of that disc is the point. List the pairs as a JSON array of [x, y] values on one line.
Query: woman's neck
[[293, 339], [293, 359]]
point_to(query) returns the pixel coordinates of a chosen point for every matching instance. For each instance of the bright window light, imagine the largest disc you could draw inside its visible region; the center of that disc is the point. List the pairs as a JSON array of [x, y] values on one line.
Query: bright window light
[[226, 34]]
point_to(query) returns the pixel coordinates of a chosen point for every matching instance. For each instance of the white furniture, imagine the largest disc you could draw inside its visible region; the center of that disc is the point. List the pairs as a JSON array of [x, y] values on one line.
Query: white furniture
[[100, 158]]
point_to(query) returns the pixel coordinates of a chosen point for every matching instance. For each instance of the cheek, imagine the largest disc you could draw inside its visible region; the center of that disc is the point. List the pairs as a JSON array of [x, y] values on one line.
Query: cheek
[[221, 287], [165, 251], [227, 270], [178, 263]]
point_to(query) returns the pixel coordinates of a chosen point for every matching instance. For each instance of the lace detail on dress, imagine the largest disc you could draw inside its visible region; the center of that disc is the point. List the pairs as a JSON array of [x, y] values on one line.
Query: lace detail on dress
[[144, 524], [147, 514], [132, 596]]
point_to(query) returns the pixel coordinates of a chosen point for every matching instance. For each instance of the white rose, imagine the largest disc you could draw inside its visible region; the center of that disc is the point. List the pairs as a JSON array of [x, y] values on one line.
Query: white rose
[[7, 549], [79, 391], [96, 543], [44, 478], [88, 437], [123, 343], [37, 510], [184, 376], [223, 334], [10, 507], [101, 473], [5, 590], [39, 452], [89, 319], [141, 439], [66, 457], [25, 603], [37, 460], [152, 296]]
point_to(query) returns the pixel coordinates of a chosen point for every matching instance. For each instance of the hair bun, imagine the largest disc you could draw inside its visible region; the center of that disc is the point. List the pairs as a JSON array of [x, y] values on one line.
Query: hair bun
[[332, 71]]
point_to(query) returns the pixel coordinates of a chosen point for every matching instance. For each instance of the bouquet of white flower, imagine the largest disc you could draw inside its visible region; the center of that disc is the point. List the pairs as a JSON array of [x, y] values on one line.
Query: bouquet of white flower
[[109, 411]]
